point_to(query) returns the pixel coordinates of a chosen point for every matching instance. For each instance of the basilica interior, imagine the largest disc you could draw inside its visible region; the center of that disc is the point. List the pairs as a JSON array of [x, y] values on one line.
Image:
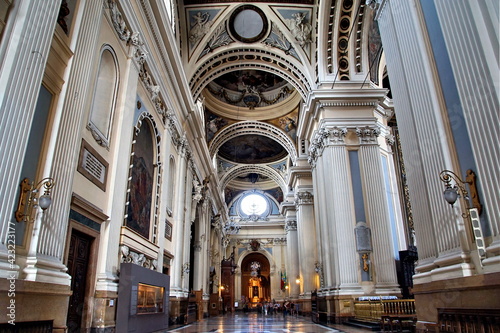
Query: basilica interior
[[166, 161]]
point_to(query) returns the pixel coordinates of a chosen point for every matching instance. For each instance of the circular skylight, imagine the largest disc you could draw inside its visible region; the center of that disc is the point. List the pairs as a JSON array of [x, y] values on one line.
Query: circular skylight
[[254, 204], [248, 24]]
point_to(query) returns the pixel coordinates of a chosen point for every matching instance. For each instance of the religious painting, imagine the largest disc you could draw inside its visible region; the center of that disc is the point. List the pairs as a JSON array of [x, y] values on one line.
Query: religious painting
[[252, 148], [141, 183]]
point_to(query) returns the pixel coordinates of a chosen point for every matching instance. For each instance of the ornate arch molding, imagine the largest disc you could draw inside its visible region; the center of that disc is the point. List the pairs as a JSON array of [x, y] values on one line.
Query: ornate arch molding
[[262, 169], [249, 58], [155, 199], [253, 127], [265, 253]]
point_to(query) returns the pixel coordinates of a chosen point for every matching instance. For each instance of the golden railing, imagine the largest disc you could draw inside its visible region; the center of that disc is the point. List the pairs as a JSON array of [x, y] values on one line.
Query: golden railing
[[374, 310]]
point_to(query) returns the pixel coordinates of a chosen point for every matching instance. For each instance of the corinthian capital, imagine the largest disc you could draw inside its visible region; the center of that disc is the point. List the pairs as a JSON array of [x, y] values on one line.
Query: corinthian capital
[[368, 134], [303, 198], [337, 134]]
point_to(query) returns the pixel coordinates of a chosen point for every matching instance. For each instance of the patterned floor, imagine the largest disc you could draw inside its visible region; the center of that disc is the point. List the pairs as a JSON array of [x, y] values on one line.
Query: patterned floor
[[256, 323]]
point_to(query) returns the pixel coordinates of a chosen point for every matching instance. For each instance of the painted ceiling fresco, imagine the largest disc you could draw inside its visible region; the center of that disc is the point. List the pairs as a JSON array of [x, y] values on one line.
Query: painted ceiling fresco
[[250, 79], [252, 149]]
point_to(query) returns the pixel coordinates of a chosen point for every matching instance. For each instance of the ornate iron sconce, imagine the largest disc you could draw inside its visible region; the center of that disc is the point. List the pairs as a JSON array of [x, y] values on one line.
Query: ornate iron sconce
[[452, 193], [28, 199]]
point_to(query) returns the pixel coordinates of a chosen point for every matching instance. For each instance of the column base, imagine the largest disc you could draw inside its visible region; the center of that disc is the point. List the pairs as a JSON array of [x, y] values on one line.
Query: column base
[[474, 292], [104, 312], [35, 301]]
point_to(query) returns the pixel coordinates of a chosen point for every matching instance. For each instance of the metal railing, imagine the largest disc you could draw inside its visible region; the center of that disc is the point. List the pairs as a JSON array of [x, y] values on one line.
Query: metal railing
[[373, 310]]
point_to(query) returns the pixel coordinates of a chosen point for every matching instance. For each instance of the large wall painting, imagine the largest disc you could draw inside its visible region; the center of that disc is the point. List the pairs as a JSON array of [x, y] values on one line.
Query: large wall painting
[[141, 184]]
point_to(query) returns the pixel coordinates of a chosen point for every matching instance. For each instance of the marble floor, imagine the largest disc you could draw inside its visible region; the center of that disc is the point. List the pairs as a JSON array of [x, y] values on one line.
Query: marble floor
[[258, 323]]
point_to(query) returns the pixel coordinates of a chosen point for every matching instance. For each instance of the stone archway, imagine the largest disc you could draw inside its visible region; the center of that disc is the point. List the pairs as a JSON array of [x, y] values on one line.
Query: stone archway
[[255, 279]]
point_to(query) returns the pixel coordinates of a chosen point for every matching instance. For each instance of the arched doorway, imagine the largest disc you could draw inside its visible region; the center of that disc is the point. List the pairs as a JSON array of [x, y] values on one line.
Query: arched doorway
[[255, 279]]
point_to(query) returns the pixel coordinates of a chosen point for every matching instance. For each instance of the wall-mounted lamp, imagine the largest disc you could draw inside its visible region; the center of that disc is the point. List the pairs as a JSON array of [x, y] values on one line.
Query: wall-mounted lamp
[[297, 280], [29, 198], [452, 192]]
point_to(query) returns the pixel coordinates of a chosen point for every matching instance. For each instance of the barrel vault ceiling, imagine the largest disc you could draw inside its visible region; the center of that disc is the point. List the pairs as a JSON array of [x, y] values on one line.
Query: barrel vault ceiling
[[254, 64]]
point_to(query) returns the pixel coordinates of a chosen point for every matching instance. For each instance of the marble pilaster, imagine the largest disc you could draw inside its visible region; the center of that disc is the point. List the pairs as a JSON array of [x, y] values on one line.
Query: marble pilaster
[[382, 262], [178, 225], [306, 232], [23, 62]]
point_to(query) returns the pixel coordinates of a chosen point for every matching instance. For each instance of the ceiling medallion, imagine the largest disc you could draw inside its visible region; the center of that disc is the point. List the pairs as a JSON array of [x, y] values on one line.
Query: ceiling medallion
[[248, 24]]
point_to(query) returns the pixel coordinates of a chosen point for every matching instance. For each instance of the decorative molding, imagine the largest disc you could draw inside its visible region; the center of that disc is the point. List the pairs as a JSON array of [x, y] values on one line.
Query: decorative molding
[[129, 256], [368, 134], [219, 38], [278, 40], [118, 22], [154, 93], [345, 103], [247, 243]]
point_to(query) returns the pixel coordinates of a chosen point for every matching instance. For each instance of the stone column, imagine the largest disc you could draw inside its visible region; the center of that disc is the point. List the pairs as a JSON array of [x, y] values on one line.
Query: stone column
[[23, 57], [292, 257], [178, 225], [306, 232], [383, 261], [201, 255], [187, 241]]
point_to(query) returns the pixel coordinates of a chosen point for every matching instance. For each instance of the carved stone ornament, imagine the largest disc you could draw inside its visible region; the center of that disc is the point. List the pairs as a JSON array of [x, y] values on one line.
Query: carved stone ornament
[[368, 134], [140, 53], [128, 256], [118, 21], [317, 145], [290, 225], [390, 140], [254, 245], [337, 134]]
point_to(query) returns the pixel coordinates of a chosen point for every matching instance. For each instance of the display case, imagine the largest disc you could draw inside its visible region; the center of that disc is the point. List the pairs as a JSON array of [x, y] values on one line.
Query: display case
[[142, 300], [150, 298]]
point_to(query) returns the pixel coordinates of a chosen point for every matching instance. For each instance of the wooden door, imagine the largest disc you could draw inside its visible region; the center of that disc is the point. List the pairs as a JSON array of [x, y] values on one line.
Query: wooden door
[[78, 263]]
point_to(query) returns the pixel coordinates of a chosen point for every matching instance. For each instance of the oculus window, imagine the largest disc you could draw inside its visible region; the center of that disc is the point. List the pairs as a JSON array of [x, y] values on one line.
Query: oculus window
[[253, 205]]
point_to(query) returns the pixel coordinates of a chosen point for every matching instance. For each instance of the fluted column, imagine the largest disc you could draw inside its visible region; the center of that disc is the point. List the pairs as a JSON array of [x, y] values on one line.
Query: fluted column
[[339, 220], [23, 57], [46, 264], [382, 263], [306, 231], [292, 256], [178, 225], [188, 242], [321, 173], [201, 281]]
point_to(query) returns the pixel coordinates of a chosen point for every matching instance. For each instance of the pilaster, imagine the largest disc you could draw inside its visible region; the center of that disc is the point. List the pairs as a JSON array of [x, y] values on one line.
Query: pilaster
[[383, 262], [306, 231], [24, 56], [178, 226]]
